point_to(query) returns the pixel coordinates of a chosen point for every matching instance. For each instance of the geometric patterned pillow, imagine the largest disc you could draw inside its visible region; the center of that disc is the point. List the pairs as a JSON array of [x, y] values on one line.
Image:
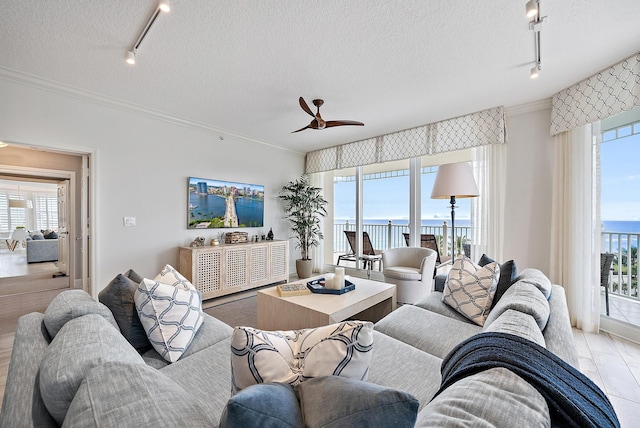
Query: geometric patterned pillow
[[168, 275], [171, 315], [470, 288], [342, 349]]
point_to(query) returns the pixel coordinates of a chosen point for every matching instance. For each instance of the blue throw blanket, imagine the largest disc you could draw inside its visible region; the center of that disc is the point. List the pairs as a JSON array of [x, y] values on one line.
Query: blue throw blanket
[[573, 399]]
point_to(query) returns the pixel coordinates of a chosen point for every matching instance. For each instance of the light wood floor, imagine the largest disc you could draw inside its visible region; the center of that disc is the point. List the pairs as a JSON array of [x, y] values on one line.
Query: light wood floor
[[611, 362], [14, 263]]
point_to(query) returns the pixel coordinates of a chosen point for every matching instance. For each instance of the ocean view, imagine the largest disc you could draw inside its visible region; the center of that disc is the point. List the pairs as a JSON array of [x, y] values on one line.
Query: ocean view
[[607, 226], [627, 232]]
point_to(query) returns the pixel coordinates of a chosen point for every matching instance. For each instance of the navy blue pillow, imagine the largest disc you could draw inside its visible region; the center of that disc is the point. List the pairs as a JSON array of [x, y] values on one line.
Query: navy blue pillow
[[51, 235], [118, 297], [271, 405], [508, 275]]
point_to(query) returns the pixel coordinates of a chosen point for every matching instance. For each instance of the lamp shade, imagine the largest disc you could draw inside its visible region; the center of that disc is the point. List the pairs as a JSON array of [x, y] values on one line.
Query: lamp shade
[[454, 179], [19, 203]]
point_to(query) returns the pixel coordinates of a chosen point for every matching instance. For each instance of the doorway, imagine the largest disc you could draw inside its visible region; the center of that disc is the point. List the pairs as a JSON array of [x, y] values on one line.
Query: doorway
[[29, 227], [53, 188]]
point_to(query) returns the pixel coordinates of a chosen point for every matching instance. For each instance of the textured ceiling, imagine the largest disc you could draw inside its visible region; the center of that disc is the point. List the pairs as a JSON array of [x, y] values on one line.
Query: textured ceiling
[[238, 66]]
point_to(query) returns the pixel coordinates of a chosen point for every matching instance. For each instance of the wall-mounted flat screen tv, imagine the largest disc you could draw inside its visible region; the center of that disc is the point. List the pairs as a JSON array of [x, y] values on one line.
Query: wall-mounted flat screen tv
[[215, 204]]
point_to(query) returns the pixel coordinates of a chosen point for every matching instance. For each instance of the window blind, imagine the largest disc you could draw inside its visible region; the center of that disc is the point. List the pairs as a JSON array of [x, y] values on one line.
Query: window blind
[[464, 132], [598, 97]]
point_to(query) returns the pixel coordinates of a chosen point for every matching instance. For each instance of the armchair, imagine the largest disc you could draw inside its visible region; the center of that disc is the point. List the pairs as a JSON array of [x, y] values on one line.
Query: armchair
[[411, 270]]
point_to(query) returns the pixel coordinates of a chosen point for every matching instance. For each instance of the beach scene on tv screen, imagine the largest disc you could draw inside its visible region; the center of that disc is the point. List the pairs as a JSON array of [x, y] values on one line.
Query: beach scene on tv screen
[[217, 204]]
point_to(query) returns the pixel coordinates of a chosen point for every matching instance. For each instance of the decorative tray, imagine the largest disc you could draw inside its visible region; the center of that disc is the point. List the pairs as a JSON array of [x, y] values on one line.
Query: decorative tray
[[317, 286]]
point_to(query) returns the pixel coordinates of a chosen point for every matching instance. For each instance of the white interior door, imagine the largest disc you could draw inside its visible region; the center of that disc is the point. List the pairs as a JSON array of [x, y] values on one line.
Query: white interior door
[[63, 227]]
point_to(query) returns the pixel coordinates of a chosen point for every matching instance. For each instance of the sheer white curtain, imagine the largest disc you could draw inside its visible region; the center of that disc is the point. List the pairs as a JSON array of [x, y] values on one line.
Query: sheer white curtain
[[575, 225], [317, 253], [487, 210]]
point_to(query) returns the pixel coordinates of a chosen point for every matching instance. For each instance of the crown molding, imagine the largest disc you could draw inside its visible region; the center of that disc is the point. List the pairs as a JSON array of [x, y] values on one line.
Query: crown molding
[[528, 107], [104, 100]]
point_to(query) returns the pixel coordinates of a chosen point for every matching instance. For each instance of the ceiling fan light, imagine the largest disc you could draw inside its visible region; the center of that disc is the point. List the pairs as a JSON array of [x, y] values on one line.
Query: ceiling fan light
[[164, 6], [532, 8], [130, 58]]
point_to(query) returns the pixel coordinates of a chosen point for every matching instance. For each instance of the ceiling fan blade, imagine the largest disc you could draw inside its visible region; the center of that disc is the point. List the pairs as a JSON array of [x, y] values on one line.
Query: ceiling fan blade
[[305, 107], [331, 123], [301, 129], [312, 125]]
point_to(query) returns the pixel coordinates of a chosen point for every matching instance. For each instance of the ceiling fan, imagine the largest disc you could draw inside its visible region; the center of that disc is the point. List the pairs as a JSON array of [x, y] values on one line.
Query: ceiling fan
[[318, 122]]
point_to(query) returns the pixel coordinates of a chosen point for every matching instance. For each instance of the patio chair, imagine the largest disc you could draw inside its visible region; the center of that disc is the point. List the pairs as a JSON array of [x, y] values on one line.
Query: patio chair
[[367, 250], [606, 259], [427, 241]]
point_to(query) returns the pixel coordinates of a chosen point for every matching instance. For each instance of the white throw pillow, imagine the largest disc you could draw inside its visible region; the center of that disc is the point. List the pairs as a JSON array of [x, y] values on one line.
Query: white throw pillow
[[342, 349], [470, 288], [171, 314], [169, 275]]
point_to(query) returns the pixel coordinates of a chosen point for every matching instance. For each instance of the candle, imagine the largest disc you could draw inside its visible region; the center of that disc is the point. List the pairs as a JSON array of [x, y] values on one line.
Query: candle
[[339, 278], [328, 281]]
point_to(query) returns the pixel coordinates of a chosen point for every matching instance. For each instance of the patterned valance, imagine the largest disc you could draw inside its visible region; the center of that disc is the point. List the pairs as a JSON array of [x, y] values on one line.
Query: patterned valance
[[598, 97], [473, 130]]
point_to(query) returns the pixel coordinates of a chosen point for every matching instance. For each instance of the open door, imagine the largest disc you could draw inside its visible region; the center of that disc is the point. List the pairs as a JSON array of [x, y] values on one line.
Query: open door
[[63, 227]]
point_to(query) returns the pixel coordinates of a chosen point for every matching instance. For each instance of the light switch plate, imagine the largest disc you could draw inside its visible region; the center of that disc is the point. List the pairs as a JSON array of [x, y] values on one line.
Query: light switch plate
[[129, 221]]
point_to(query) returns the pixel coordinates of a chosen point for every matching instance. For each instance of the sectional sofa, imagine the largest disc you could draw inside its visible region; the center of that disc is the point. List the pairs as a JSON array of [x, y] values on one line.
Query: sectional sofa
[[103, 381]]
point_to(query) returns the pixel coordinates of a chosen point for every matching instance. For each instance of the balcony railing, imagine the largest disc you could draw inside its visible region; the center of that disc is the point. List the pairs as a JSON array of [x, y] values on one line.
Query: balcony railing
[[624, 272], [385, 236], [623, 280]]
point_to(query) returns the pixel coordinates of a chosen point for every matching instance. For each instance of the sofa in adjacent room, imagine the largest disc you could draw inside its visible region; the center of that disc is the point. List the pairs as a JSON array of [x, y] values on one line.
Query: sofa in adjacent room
[[42, 246], [106, 377]]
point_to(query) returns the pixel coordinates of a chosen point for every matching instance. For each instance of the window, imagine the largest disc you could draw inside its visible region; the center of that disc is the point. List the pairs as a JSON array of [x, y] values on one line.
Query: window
[[620, 211], [46, 211], [42, 210], [386, 203], [437, 212], [344, 209]]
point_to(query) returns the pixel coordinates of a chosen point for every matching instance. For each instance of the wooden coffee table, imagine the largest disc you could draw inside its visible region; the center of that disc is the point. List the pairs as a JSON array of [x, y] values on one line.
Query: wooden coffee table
[[370, 301]]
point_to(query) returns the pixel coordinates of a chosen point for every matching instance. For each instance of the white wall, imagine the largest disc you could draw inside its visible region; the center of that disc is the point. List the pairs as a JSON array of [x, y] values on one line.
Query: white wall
[[143, 164], [141, 171], [529, 189]]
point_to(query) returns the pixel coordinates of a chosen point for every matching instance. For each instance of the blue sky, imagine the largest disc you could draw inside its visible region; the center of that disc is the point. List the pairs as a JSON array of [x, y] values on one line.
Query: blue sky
[[620, 179], [386, 199]]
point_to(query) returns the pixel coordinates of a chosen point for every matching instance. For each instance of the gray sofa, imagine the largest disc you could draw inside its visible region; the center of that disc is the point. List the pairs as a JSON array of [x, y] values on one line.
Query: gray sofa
[[409, 347], [42, 250]]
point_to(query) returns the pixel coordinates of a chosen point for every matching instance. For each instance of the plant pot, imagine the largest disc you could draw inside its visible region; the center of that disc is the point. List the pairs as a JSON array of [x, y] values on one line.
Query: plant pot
[[304, 268]]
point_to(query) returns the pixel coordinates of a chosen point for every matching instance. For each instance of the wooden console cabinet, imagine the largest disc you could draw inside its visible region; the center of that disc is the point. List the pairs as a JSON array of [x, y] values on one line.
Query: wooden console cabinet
[[229, 268]]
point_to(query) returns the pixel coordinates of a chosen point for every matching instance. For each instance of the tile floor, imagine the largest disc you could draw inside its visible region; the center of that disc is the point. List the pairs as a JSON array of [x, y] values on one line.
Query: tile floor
[[613, 364], [622, 308]]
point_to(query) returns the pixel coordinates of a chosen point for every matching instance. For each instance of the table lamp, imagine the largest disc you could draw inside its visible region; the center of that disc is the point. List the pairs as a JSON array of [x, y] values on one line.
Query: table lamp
[[454, 180]]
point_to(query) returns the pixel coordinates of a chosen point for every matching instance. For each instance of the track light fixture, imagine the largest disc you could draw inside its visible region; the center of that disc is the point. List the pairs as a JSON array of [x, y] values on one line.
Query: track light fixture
[[535, 25], [163, 6], [535, 71], [532, 8], [131, 58]]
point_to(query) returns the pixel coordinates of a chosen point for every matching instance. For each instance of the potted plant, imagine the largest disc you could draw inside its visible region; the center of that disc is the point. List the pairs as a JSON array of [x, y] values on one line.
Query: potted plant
[[304, 205]]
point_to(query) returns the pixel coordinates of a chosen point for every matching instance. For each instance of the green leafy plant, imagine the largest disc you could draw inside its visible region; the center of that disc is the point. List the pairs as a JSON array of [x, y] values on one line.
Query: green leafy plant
[[304, 205]]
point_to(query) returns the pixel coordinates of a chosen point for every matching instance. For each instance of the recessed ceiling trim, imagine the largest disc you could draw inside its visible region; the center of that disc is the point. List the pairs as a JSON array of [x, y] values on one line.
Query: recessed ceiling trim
[[528, 107], [67, 90]]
